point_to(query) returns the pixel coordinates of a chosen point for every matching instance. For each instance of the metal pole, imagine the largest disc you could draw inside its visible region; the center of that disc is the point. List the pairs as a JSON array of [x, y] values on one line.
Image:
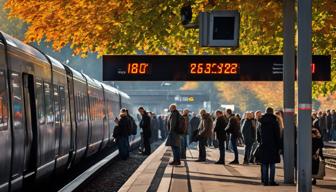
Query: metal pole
[[288, 87], [305, 95]]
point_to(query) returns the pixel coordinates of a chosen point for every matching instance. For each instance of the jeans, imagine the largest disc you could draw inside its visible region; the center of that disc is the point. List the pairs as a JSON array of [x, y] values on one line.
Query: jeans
[[234, 146], [176, 153], [123, 147], [202, 152], [183, 146], [247, 155], [265, 175], [221, 146]]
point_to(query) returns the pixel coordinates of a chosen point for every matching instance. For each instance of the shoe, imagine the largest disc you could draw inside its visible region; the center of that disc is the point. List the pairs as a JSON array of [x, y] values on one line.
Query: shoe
[[273, 184], [220, 162], [235, 162], [200, 160], [314, 182], [172, 163], [246, 163], [175, 163], [265, 184]]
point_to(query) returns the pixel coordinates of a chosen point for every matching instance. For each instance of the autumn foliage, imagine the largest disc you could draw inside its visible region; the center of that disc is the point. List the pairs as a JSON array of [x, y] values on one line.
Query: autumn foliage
[[154, 27]]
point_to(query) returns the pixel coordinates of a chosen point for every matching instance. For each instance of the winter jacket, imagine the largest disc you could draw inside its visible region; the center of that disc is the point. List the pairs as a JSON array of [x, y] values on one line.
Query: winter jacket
[[233, 126], [121, 130], [205, 126], [145, 125], [221, 123], [174, 139], [269, 139], [194, 123], [249, 131], [317, 145]]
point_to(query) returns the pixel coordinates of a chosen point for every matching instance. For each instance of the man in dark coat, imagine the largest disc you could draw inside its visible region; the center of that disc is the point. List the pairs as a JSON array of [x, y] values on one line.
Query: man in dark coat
[[233, 128], [249, 135], [174, 139], [269, 139], [204, 133], [333, 125], [323, 125], [161, 127], [221, 123], [194, 123], [120, 133], [329, 124], [184, 136], [146, 130]]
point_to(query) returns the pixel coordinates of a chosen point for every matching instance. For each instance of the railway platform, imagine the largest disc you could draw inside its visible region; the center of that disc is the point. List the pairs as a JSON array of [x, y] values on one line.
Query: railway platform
[[155, 174]]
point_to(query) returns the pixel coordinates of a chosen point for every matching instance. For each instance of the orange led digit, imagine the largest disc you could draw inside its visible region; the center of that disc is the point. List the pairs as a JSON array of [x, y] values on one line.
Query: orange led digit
[[313, 66], [207, 68], [143, 68], [200, 68], [234, 67], [193, 68]]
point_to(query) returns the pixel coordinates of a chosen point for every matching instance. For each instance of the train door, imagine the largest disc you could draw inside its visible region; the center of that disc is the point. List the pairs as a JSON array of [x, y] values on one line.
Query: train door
[[18, 131], [30, 141]]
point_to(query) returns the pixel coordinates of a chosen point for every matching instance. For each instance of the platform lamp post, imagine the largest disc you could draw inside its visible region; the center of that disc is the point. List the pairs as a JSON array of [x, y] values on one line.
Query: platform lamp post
[[304, 61], [288, 88]]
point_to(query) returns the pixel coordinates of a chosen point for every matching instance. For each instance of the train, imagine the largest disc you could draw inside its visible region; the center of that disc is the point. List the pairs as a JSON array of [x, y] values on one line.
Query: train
[[51, 116]]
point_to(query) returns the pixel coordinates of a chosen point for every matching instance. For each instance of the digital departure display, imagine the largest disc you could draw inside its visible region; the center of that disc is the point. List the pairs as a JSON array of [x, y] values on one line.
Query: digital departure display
[[214, 68], [204, 68]]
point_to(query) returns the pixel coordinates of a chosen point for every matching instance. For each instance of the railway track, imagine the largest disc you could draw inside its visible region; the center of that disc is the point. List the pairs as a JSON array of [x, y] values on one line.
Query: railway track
[[91, 171]]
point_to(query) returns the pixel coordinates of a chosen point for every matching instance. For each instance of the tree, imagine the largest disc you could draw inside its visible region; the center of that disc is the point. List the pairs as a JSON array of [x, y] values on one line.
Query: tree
[[123, 27], [15, 27]]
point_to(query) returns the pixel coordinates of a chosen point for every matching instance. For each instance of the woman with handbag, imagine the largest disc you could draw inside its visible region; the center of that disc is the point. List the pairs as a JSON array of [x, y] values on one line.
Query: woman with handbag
[[318, 169]]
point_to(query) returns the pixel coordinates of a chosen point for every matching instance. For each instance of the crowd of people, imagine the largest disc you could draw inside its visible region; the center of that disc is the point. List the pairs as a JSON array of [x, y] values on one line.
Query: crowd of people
[[260, 133]]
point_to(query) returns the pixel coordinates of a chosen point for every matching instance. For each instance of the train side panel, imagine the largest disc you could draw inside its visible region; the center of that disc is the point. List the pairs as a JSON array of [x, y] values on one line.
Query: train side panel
[[5, 132]]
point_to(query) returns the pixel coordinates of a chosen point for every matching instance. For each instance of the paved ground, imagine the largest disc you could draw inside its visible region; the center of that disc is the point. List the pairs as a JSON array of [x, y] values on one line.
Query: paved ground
[[156, 175]]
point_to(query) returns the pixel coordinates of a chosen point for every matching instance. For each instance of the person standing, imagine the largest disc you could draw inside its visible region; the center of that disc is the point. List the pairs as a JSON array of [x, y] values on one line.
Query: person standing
[[233, 128], [249, 135], [174, 140], [204, 133], [333, 125], [269, 139], [323, 125], [184, 135], [329, 124], [194, 123], [317, 153], [220, 125], [256, 123], [161, 127], [121, 132], [146, 130], [154, 127]]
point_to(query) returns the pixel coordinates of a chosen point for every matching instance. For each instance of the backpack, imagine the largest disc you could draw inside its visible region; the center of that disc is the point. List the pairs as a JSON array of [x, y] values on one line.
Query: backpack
[[134, 127], [182, 127], [129, 126]]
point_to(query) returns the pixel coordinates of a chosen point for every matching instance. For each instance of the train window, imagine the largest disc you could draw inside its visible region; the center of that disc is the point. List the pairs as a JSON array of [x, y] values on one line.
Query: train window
[[3, 103], [17, 100], [48, 103], [57, 107], [40, 102], [63, 111]]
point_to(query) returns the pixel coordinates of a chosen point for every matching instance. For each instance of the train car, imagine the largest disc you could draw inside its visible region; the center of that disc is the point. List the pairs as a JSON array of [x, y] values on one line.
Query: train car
[[51, 116]]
